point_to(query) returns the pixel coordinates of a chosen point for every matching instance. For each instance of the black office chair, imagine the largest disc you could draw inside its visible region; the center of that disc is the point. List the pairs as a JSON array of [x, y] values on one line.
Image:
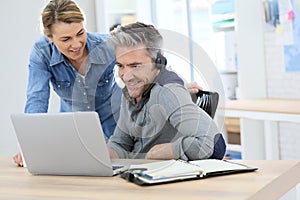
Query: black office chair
[[207, 100]]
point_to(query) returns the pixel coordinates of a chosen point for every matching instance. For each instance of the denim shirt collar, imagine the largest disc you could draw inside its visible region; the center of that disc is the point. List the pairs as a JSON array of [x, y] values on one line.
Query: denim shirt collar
[[97, 52]]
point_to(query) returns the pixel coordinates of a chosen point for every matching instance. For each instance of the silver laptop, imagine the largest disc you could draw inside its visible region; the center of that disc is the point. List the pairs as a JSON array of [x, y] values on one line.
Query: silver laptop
[[63, 144]]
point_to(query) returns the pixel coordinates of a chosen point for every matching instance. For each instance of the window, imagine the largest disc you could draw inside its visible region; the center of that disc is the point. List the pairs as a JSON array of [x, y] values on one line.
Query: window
[[193, 19]]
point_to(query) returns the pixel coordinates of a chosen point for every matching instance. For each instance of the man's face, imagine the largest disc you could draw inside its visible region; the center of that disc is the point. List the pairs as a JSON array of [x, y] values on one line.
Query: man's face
[[135, 69]]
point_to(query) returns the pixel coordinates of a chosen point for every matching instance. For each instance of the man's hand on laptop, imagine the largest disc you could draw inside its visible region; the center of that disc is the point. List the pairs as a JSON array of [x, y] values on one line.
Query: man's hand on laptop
[[18, 159], [112, 153]]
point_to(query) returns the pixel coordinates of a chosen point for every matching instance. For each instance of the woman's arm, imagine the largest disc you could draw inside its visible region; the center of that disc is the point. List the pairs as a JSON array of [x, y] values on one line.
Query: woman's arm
[[38, 89]]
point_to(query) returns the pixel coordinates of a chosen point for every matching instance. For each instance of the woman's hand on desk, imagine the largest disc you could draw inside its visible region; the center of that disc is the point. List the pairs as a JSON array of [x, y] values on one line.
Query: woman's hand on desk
[[18, 159]]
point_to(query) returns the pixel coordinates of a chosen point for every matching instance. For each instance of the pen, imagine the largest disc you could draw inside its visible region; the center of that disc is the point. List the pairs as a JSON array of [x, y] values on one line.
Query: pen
[[137, 170]]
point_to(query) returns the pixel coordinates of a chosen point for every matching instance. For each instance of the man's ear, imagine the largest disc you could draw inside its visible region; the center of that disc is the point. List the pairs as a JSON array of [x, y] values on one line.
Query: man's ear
[[158, 71]]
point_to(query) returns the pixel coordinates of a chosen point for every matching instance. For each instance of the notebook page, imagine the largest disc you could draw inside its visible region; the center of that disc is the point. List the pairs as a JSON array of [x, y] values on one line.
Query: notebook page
[[212, 165], [170, 168]]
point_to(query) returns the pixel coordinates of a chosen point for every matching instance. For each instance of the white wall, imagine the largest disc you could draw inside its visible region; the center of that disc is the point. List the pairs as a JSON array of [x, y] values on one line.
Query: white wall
[[251, 68], [282, 84], [262, 72], [250, 49], [20, 28]]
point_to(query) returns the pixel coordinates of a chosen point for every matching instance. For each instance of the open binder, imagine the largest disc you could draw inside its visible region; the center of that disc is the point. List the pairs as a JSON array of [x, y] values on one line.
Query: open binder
[[179, 170]]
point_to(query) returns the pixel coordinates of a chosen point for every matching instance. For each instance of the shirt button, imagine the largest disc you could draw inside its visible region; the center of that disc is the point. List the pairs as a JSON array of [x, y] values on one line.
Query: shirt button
[[88, 107], [106, 81], [58, 86], [84, 94]]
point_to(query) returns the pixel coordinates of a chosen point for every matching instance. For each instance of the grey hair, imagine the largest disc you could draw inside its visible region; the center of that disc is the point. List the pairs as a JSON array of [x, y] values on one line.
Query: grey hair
[[137, 34]]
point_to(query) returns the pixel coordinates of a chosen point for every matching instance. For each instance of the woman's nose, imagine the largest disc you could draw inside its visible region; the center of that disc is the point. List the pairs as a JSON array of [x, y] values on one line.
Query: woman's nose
[[76, 43]]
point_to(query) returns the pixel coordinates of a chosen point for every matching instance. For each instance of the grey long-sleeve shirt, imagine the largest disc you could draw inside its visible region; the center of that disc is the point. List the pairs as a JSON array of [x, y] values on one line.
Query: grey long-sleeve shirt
[[168, 116]]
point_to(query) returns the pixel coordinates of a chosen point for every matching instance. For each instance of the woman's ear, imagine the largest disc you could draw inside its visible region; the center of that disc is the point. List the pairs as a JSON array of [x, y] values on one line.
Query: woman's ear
[[49, 38]]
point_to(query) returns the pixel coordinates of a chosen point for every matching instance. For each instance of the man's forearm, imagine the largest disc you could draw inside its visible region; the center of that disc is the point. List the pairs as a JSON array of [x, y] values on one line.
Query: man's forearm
[[161, 152]]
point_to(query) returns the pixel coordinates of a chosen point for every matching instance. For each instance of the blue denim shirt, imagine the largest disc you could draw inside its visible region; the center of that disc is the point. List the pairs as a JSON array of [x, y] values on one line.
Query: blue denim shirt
[[97, 92]]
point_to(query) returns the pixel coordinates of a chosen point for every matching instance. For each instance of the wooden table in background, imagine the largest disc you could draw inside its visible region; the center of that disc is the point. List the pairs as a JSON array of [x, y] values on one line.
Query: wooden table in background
[[271, 181], [259, 124]]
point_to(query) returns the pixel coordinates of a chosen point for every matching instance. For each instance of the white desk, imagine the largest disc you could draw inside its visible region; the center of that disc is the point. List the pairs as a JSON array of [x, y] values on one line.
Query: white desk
[[262, 142]]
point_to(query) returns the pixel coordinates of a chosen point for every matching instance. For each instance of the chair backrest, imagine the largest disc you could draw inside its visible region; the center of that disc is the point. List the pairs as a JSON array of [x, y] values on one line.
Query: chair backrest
[[207, 100]]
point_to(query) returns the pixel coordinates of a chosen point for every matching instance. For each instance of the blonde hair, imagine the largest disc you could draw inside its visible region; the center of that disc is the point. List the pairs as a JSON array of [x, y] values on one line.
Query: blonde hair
[[60, 11]]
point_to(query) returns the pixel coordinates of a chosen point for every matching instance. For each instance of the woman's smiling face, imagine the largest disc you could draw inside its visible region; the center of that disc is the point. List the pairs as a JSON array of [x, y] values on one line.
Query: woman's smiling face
[[69, 38]]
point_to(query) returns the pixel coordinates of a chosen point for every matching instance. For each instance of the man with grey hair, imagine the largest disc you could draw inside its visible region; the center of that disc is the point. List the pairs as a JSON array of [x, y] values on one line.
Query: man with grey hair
[[157, 121]]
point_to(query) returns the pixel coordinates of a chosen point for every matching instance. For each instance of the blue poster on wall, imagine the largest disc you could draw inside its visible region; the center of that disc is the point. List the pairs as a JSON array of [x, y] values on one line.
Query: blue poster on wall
[[292, 52]]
